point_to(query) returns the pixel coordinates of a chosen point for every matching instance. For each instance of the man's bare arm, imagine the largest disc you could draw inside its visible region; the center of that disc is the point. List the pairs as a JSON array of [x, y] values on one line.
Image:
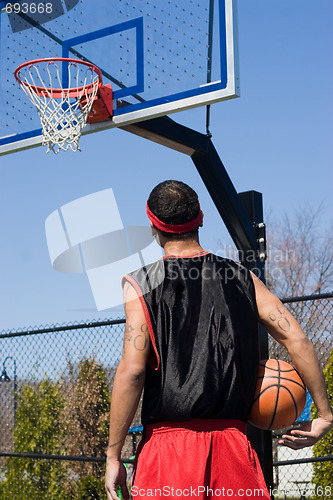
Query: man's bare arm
[[127, 389], [284, 328]]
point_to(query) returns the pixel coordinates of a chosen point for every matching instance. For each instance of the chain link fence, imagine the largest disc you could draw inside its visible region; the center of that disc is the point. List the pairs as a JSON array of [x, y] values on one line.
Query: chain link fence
[[55, 394]]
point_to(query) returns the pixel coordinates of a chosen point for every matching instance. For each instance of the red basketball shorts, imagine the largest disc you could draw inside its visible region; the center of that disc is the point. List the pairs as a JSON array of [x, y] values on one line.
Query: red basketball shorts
[[198, 459]]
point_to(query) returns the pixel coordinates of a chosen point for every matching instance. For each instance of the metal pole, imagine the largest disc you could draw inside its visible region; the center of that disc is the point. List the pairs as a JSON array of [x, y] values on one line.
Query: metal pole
[[255, 261]]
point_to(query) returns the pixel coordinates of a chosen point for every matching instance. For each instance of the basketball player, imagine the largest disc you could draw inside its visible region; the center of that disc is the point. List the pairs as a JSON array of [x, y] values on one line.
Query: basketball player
[[191, 342]]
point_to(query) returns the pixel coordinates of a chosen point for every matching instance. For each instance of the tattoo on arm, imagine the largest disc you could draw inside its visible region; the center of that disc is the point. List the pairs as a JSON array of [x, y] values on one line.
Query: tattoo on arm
[[140, 341], [278, 316], [128, 330], [115, 444], [127, 337]]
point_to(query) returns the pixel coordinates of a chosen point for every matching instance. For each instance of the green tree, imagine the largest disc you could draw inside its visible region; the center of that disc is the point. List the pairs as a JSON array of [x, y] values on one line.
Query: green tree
[[85, 418], [37, 430], [323, 471]]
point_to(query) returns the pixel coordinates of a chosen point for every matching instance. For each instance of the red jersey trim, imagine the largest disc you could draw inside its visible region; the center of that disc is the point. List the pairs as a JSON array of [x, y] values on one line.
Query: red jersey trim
[[155, 364]]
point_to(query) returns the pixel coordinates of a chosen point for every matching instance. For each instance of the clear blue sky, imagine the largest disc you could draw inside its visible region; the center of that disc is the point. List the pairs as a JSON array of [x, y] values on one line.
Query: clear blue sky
[[276, 139]]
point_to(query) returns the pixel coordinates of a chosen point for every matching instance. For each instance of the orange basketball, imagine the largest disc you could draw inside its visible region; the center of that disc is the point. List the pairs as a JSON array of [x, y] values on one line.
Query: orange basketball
[[280, 395]]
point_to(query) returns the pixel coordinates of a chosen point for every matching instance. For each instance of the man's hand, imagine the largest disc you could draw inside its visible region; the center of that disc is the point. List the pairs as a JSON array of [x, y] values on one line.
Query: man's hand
[[115, 476], [306, 434]]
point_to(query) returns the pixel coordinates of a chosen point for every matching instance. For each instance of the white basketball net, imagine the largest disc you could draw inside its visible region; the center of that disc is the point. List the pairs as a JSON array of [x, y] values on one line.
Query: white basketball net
[[62, 117]]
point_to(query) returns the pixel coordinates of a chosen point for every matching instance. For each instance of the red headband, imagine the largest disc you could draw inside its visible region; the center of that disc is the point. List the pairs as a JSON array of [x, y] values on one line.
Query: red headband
[[175, 228]]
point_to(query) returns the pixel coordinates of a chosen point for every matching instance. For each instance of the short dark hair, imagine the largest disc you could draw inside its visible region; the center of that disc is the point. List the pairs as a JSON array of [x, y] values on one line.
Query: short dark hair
[[174, 202]]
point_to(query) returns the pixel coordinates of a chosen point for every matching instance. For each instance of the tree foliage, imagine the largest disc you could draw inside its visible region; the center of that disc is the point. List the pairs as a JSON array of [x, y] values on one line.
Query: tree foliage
[[85, 418], [69, 417], [37, 430], [300, 262], [300, 256]]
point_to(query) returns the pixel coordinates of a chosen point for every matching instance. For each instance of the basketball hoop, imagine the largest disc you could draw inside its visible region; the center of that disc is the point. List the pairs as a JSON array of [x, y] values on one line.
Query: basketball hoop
[[63, 91]]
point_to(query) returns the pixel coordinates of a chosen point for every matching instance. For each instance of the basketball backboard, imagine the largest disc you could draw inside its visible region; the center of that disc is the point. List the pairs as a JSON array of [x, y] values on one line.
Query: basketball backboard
[[160, 56]]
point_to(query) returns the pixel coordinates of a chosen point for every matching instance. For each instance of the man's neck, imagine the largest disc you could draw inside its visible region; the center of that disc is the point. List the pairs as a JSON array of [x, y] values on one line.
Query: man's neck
[[182, 248]]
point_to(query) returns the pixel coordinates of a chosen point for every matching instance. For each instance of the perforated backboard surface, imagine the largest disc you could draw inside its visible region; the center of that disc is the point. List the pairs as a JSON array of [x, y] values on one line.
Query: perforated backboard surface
[[161, 56]]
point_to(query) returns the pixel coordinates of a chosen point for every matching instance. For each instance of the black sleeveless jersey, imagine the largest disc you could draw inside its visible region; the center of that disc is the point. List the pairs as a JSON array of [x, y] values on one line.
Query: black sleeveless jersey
[[202, 319]]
